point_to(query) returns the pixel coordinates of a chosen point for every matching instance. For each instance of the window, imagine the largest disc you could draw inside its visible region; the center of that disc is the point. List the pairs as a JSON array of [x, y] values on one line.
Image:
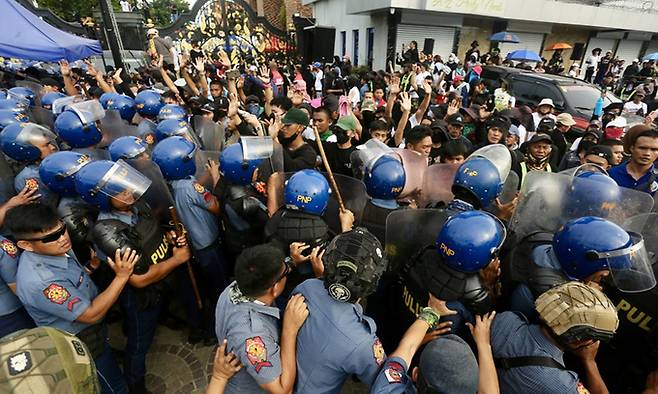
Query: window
[[370, 44], [355, 49], [343, 43]]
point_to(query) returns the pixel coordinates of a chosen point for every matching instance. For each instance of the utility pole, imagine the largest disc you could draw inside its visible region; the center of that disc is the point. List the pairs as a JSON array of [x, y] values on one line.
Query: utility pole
[[112, 36]]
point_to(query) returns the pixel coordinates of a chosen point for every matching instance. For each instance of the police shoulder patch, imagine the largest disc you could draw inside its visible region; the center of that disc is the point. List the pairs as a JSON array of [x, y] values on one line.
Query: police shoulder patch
[[394, 372], [18, 363], [9, 248], [31, 183], [378, 351], [56, 293], [257, 353], [199, 188]]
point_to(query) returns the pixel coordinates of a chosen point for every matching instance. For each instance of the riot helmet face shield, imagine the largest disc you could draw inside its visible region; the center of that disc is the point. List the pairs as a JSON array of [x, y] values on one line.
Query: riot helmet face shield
[[39, 137], [123, 184]]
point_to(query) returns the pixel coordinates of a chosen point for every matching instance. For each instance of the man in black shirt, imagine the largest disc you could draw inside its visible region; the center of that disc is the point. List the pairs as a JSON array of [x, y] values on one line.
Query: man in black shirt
[[297, 154], [338, 153]]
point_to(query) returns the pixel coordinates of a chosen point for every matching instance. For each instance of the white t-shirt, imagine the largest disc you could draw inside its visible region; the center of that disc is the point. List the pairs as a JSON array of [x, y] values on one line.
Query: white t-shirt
[[318, 80], [420, 78], [632, 108], [592, 61]]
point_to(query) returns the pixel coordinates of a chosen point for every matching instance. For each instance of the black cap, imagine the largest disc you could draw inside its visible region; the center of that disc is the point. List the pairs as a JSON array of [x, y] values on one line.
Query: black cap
[[601, 151], [457, 119], [546, 124], [540, 137], [252, 99], [221, 102], [501, 122], [595, 132]]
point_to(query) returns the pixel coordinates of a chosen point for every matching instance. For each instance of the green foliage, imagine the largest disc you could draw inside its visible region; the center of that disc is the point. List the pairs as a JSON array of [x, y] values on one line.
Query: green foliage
[[73, 10], [160, 10]]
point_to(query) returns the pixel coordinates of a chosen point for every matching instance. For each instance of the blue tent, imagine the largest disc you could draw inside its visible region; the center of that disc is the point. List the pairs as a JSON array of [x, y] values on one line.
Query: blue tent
[[24, 36]]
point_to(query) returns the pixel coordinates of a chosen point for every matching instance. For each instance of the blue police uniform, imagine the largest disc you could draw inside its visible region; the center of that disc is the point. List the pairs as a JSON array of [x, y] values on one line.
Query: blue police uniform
[[30, 176], [336, 341], [522, 299], [646, 183], [513, 336], [56, 290], [252, 331], [393, 378], [192, 203], [13, 316]]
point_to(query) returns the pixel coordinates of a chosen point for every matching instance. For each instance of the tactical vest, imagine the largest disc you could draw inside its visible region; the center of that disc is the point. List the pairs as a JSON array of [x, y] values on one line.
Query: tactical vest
[[374, 219], [46, 360], [243, 217], [288, 226], [147, 237]]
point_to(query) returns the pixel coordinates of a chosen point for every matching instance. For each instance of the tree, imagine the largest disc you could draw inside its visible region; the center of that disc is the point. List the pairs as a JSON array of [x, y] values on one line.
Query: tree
[[161, 10], [73, 10]]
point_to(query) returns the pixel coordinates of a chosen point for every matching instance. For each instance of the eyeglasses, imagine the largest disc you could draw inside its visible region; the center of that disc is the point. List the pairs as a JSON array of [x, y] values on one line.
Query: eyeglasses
[[287, 269], [52, 237]]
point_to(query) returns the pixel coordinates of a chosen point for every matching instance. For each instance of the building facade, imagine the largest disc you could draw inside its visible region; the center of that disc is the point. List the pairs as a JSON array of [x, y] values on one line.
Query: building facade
[[372, 32]]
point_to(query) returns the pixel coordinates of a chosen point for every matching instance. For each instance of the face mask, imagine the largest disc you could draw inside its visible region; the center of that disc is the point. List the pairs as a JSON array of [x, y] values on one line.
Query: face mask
[[286, 141], [254, 109]]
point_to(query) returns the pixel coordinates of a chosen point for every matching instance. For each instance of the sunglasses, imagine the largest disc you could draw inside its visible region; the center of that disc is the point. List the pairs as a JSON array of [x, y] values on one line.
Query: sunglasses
[[52, 237], [287, 269]]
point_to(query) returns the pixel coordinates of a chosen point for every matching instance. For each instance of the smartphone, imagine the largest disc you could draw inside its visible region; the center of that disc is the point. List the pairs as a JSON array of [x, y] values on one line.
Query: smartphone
[[233, 74]]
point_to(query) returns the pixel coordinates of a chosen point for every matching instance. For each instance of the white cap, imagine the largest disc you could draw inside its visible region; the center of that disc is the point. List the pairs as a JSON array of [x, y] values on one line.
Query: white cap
[[546, 101], [152, 31], [180, 82], [619, 121], [253, 68]]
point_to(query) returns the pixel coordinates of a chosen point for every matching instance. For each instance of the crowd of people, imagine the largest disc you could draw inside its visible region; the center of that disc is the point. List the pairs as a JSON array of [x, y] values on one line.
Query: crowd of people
[[408, 228]]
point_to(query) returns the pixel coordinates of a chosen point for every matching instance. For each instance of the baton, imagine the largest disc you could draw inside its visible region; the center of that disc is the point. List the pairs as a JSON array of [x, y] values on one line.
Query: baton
[[180, 230], [326, 166]]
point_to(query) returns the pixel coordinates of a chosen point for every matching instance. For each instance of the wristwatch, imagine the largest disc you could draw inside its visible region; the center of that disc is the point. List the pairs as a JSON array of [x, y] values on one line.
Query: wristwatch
[[429, 316]]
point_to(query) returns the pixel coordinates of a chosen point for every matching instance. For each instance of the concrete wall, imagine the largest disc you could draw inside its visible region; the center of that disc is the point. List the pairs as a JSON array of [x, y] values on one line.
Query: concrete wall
[[333, 13], [474, 30], [570, 35]]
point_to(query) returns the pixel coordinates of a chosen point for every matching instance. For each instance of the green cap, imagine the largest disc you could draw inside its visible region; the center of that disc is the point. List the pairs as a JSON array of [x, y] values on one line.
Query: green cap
[[347, 122], [295, 116]]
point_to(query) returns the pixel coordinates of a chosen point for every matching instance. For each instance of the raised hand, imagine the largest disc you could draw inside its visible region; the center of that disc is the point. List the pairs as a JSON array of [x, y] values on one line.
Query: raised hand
[[405, 102]]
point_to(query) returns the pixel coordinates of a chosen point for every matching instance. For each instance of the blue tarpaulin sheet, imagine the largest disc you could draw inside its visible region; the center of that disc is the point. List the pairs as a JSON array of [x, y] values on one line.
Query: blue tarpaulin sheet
[[24, 36]]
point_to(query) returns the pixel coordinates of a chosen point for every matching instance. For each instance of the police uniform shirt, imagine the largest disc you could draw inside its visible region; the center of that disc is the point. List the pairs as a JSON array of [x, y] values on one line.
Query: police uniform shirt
[[8, 266], [252, 332], [55, 290], [336, 341], [511, 336], [620, 174], [29, 176], [192, 203], [393, 378]]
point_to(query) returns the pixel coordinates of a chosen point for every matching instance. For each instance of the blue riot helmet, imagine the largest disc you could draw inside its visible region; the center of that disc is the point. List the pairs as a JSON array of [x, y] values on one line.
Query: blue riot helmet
[[148, 103], [172, 111], [77, 125], [106, 97], [307, 191], [27, 142], [590, 244], [127, 147], [124, 105], [175, 157], [592, 194], [468, 241], [234, 167], [49, 98], [171, 127], [99, 182], [13, 105], [22, 94], [385, 178], [483, 175], [8, 117], [57, 171]]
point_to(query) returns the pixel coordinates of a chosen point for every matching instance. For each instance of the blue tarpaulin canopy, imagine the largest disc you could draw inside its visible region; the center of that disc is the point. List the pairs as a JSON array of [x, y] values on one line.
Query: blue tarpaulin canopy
[[24, 36]]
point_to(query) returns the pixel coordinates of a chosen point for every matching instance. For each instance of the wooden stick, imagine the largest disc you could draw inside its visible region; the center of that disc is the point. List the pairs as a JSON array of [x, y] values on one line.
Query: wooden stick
[[178, 226], [334, 186]]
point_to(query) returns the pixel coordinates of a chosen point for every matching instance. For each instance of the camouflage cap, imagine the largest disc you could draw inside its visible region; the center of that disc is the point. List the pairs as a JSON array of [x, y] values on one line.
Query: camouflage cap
[[46, 360], [353, 263], [575, 311]]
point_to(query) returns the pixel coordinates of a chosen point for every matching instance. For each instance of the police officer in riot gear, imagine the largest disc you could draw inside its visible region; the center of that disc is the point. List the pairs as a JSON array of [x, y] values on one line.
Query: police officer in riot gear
[[57, 171], [384, 182], [586, 249], [77, 125], [128, 147], [244, 212], [125, 222], [29, 143], [172, 111], [124, 105], [148, 104]]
